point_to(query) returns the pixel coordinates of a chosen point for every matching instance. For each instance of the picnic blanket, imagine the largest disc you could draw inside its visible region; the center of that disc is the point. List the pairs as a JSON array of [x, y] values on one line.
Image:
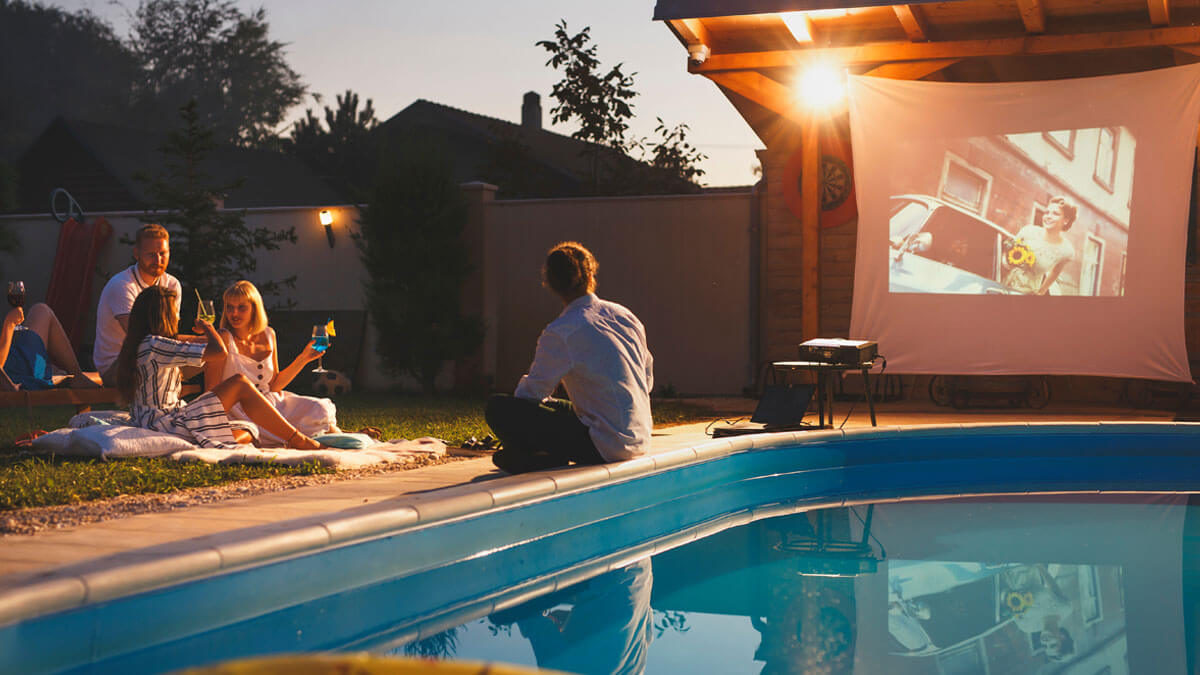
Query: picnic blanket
[[105, 437]]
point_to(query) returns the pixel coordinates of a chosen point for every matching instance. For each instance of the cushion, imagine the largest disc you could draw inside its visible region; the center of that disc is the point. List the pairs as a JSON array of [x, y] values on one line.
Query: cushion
[[108, 440], [346, 441], [53, 442], [87, 419]]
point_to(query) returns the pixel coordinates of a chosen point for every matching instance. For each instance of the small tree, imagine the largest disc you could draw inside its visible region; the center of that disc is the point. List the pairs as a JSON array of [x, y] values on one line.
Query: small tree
[[601, 103], [210, 248], [340, 150], [416, 262]]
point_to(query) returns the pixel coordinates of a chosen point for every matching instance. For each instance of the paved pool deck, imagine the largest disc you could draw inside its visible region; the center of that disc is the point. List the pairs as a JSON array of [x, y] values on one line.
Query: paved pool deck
[[110, 558]]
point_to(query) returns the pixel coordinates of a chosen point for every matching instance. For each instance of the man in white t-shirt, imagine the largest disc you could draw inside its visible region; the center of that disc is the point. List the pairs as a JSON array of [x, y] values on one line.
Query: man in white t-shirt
[[152, 252]]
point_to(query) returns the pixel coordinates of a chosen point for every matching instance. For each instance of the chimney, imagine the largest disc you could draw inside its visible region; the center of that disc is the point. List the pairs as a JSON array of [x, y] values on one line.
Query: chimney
[[531, 111]]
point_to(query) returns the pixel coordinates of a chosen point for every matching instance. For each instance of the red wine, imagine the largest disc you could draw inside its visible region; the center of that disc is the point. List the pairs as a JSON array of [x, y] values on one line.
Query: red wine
[[16, 299]]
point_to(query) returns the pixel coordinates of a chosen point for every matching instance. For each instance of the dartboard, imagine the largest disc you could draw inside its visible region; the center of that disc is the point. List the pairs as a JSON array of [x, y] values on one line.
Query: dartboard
[[835, 182]]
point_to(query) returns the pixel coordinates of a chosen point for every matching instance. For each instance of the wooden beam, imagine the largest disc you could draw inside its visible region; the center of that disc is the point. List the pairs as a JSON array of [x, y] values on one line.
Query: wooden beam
[[1033, 15], [691, 31], [883, 52], [810, 227], [1160, 12], [761, 89], [913, 21], [910, 70]]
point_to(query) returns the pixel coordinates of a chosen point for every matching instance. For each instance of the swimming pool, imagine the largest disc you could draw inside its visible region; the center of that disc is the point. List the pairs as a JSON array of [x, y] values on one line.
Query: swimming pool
[[398, 588]]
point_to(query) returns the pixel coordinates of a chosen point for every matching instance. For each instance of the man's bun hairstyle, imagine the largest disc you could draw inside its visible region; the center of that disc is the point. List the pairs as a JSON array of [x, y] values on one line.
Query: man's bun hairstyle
[[571, 269]]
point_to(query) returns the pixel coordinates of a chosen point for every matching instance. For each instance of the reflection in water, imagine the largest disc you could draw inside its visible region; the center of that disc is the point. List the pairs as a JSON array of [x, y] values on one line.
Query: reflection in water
[[602, 625], [1019, 585]]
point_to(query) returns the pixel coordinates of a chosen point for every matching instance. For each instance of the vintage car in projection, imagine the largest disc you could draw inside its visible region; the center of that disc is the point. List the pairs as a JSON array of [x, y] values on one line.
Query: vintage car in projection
[[936, 247]]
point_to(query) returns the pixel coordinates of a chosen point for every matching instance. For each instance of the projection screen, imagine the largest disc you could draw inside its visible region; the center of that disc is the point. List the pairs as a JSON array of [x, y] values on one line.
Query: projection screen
[[1025, 228]]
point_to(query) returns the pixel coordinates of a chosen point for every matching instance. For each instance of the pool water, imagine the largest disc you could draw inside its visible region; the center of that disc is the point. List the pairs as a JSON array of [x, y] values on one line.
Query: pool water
[[1033, 584], [830, 553]]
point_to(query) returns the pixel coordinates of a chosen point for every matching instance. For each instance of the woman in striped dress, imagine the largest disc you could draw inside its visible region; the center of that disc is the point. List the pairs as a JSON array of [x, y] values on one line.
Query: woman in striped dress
[[148, 377]]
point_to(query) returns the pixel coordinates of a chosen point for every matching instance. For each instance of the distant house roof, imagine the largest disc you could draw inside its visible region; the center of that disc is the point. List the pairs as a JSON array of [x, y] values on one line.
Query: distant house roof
[[96, 163], [561, 162]]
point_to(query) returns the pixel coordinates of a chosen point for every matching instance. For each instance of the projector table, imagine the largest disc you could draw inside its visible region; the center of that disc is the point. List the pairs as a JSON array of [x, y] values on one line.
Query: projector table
[[824, 388]]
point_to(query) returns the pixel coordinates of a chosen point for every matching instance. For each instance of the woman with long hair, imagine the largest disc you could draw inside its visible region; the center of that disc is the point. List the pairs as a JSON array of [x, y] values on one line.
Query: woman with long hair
[[251, 351], [148, 379]]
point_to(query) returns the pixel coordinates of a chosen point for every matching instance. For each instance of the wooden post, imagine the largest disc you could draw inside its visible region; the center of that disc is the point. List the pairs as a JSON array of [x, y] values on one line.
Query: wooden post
[[810, 227]]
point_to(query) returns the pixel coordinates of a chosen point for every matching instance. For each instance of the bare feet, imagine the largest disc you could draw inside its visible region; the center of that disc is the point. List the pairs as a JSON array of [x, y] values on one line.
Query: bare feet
[[298, 441]]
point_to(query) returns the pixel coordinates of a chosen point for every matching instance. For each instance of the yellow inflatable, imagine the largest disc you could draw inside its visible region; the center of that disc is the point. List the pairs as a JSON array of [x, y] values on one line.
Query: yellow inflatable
[[358, 664]]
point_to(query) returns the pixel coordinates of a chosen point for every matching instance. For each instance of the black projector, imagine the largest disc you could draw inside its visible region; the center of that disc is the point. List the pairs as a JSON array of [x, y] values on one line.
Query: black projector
[[839, 351]]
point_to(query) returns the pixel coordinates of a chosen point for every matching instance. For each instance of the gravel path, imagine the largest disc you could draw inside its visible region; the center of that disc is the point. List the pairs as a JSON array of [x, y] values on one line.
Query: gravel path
[[37, 519]]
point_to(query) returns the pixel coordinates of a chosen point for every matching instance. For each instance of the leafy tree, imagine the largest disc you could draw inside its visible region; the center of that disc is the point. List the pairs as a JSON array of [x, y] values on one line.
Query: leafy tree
[[411, 246], [340, 150], [675, 157], [208, 50], [601, 104], [210, 248], [54, 62]]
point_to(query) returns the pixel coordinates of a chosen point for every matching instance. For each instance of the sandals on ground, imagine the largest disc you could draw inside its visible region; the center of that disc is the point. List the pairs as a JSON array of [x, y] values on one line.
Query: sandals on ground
[[26, 440]]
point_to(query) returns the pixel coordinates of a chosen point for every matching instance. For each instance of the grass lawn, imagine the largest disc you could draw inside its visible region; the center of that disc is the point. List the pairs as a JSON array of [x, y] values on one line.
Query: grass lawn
[[30, 480]]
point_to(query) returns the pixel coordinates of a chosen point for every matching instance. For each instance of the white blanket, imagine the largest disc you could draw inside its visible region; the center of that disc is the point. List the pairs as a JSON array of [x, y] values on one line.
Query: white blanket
[[108, 441]]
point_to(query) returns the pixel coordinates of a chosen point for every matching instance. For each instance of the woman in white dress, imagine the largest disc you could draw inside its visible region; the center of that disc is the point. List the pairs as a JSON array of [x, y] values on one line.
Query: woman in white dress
[[1050, 248], [251, 351], [148, 378]]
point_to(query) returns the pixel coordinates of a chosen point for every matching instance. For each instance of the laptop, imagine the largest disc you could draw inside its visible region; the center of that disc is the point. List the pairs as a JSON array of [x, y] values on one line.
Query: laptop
[[781, 408]]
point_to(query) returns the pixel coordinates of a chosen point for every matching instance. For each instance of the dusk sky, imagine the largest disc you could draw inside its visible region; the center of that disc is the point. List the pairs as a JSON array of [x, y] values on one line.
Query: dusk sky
[[481, 57]]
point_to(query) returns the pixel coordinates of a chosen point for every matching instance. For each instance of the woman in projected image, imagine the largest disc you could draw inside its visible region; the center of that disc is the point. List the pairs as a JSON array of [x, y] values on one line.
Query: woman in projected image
[[1039, 607], [1051, 250]]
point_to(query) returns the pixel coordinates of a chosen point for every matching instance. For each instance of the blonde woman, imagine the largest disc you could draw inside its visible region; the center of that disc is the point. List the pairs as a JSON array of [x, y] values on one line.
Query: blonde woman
[[252, 352]]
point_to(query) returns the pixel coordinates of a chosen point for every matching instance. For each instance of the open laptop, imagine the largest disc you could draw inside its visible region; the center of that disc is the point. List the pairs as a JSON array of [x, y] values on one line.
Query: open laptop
[[781, 408]]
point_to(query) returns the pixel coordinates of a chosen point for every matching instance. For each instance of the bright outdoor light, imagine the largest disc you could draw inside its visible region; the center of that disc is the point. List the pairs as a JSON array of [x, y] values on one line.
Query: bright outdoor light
[[326, 218], [821, 85]]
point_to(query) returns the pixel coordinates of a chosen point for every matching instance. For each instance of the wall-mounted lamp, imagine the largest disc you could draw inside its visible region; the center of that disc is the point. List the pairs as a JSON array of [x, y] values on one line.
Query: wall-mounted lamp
[[327, 220]]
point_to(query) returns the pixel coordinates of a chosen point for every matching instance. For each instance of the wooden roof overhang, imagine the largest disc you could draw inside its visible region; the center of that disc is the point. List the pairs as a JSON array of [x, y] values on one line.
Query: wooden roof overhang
[[753, 56], [746, 48]]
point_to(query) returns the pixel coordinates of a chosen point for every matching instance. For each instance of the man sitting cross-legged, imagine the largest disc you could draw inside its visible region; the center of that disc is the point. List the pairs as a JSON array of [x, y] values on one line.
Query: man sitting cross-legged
[[597, 349]]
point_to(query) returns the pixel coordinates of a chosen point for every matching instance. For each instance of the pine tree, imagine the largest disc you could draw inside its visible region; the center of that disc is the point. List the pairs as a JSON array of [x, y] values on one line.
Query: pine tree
[[210, 247], [416, 263]]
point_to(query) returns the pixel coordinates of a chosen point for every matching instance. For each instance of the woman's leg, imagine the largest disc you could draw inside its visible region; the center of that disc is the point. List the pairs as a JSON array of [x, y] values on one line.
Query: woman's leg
[[238, 389], [41, 320]]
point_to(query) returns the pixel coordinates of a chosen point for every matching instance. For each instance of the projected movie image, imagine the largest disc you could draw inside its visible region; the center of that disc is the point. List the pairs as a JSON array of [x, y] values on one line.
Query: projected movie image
[[1040, 214], [973, 617]]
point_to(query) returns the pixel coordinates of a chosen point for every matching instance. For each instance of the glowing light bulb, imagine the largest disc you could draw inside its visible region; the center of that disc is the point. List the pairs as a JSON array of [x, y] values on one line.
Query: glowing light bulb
[[821, 85]]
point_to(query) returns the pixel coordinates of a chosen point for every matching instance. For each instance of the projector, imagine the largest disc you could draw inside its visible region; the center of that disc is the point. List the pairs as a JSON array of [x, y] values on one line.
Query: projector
[[839, 351]]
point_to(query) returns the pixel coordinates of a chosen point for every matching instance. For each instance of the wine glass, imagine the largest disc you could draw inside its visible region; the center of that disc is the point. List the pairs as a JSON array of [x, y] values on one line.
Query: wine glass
[[205, 311], [320, 338], [16, 297]]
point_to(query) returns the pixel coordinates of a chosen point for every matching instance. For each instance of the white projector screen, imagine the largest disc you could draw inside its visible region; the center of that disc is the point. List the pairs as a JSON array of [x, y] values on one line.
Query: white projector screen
[[1025, 228]]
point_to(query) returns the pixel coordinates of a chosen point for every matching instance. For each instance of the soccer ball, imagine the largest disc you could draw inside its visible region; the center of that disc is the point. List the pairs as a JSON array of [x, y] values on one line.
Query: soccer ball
[[332, 383]]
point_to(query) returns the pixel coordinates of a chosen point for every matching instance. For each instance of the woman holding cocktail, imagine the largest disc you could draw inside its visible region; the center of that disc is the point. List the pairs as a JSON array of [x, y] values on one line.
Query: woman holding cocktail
[[148, 377], [251, 351]]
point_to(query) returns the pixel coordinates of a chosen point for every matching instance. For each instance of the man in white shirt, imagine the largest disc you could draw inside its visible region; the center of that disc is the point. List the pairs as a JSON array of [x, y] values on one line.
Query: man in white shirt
[[151, 253], [597, 349]]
